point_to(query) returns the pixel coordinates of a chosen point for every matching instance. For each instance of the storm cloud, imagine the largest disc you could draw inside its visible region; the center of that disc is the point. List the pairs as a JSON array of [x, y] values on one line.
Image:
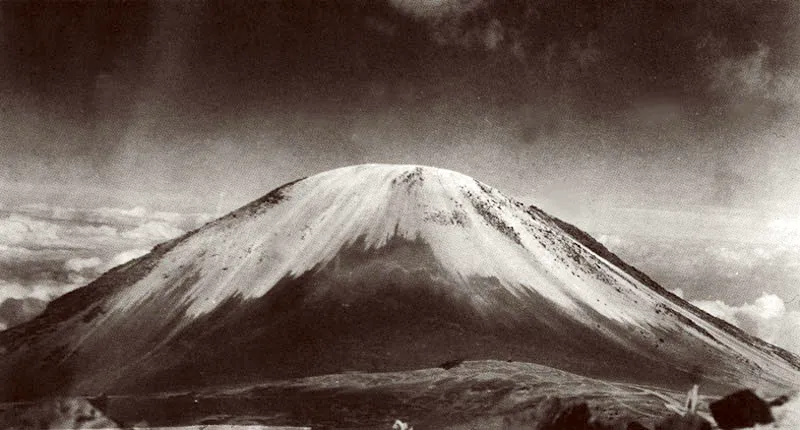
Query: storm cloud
[[144, 97]]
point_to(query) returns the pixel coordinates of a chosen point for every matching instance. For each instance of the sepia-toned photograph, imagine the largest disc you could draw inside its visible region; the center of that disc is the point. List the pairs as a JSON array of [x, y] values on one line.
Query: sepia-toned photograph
[[400, 214]]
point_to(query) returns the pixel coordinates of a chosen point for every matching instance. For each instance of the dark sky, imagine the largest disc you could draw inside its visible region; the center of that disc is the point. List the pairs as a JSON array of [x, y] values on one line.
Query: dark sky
[[571, 105], [670, 130]]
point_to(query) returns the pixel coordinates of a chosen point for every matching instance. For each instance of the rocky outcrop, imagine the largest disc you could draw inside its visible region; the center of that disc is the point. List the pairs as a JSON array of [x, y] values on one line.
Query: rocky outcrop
[[779, 401], [741, 409], [555, 413], [447, 365]]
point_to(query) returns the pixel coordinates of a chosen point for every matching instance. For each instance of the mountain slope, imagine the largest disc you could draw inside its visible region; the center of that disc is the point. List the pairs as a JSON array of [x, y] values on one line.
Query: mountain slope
[[376, 268]]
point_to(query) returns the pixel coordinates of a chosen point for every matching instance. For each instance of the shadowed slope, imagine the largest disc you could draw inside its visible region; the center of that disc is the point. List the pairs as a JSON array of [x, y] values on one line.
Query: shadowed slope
[[399, 314]]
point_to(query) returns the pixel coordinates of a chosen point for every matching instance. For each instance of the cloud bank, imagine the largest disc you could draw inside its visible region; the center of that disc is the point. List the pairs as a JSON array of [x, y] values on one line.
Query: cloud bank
[[719, 254], [750, 285], [767, 318], [48, 251]]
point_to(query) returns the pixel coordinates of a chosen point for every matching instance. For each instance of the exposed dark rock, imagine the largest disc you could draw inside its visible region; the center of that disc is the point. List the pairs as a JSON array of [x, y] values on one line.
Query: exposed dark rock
[[636, 425], [447, 365], [779, 401], [100, 402], [554, 413], [683, 422], [598, 425], [741, 409]]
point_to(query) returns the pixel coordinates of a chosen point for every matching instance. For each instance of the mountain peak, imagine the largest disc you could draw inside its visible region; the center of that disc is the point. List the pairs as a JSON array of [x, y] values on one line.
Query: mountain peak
[[473, 230], [379, 267]]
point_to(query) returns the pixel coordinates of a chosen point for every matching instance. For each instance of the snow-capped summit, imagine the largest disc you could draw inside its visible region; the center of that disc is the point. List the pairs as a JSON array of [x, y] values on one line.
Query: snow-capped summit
[[472, 229], [376, 267]]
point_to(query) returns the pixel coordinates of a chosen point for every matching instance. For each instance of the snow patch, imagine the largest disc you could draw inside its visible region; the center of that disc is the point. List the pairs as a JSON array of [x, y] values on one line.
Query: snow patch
[[80, 264]]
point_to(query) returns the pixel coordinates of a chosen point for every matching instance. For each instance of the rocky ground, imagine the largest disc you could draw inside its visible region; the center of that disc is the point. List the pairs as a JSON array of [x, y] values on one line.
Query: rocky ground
[[469, 395]]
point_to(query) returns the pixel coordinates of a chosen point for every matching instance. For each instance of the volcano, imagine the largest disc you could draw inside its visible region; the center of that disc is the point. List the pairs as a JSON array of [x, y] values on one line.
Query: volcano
[[376, 268]]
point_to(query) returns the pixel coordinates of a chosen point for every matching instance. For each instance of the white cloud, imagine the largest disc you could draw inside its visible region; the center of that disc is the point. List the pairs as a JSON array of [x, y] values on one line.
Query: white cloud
[[119, 217], [80, 264], [80, 272], [124, 257], [47, 251], [611, 241], [41, 233], [15, 229], [767, 318], [139, 215], [14, 252], [46, 291], [92, 231], [724, 271], [786, 227], [12, 231], [709, 270], [51, 233], [112, 213], [154, 231]]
